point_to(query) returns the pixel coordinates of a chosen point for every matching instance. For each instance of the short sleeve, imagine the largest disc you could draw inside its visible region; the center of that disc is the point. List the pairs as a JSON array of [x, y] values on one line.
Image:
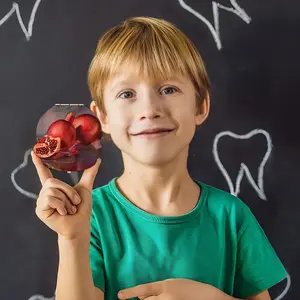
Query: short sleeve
[[258, 267], [96, 255]]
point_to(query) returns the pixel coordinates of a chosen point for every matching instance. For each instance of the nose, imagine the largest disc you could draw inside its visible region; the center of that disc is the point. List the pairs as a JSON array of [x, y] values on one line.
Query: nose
[[150, 105]]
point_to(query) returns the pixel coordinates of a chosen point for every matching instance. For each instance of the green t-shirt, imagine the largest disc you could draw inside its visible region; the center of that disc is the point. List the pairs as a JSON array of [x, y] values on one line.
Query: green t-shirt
[[219, 242]]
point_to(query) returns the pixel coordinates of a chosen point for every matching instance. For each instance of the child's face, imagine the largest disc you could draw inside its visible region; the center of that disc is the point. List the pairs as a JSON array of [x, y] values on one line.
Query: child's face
[[134, 105]]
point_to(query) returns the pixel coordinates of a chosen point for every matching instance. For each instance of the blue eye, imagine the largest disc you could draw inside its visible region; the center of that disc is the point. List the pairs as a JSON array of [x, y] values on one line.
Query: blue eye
[[126, 94], [169, 90]]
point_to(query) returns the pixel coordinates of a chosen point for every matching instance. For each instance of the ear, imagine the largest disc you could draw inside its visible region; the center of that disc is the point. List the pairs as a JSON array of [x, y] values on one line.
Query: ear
[[202, 111], [102, 116]]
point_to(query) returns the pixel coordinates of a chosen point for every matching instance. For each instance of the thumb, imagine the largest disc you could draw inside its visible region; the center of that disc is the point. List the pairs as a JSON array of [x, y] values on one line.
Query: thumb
[[142, 291], [88, 176]]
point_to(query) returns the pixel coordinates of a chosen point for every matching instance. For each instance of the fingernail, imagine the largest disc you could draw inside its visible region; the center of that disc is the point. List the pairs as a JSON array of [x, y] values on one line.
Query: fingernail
[[77, 199], [121, 295], [73, 209]]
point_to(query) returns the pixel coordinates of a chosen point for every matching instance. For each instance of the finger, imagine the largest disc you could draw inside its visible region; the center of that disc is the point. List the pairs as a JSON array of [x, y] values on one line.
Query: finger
[[71, 209], [160, 297], [89, 175], [43, 172], [69, 191], [54, 203], [143, 290], [56, 193], [148, 298]]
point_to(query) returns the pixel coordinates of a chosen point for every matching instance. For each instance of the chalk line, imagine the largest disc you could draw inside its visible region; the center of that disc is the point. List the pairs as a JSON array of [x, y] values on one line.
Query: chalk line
[[215, 29], [288, 285], [16, 170], [16, 9], [40, 297]]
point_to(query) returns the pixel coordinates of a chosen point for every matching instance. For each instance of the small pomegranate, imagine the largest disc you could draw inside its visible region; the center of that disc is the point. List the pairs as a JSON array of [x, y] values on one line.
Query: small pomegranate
[[88, 128], [47, 146], [65, 131], [70, 117]]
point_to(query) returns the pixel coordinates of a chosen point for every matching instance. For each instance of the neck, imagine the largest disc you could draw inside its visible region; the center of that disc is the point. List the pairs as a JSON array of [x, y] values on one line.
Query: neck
[[160, 189]]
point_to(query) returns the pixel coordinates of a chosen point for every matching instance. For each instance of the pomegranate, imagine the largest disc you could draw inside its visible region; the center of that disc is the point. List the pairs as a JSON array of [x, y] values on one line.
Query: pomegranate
[[65, 131], [88, 128], [47, 146], [70, 117]]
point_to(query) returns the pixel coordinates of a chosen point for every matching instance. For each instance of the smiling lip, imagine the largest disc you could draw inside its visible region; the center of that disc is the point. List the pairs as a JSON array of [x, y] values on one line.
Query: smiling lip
[[154, 133]]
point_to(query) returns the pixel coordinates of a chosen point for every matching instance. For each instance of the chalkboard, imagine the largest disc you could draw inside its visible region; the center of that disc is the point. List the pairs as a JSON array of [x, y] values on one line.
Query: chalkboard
[[249, 145]]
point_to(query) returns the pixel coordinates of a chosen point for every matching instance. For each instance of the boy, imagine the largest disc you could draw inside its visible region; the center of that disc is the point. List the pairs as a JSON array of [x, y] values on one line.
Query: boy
[[153, 232]]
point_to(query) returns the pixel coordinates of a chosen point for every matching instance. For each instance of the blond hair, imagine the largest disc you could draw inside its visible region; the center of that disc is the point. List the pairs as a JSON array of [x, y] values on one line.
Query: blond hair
[[157, 48]]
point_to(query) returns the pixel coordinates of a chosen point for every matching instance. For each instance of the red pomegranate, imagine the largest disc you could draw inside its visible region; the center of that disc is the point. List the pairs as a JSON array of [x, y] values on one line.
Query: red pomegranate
[[65, 131], [47, 146], [88, 128]]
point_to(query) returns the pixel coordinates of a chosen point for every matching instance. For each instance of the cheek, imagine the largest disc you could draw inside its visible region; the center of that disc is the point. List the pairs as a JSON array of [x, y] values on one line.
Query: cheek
[[185, 116], [117, 116], [119, 121]]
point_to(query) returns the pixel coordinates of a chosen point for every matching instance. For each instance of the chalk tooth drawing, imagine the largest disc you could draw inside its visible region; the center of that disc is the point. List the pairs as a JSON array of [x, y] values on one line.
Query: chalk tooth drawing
[[16, 170], [244, 170], [215, 29], [16, 9]]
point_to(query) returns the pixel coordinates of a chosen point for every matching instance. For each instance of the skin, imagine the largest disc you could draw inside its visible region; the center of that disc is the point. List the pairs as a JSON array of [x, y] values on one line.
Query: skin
[[132, 105]]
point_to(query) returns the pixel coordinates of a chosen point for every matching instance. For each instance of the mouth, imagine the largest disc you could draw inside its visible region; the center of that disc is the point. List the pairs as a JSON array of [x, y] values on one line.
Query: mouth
[[154, 133]]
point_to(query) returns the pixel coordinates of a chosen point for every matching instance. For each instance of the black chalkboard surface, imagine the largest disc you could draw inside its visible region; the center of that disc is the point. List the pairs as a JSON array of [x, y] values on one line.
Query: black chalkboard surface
[[249, 146]]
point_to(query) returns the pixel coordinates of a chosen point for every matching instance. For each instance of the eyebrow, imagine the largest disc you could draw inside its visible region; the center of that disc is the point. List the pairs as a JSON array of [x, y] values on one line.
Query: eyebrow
[[119, 83], [126, 82], [174, 78]]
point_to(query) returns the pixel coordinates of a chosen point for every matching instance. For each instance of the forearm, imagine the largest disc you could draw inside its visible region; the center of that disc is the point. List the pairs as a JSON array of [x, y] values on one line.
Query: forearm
[[226, 297], [213, 292], [74, 279]]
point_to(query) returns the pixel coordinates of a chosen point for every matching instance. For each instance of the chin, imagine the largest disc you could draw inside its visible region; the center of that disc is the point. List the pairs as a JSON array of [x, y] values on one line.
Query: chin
[[155, 156], [155, 159]]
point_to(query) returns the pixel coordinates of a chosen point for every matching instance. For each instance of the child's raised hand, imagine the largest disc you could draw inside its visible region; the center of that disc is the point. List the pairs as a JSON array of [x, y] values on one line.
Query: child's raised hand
[[63, 208]]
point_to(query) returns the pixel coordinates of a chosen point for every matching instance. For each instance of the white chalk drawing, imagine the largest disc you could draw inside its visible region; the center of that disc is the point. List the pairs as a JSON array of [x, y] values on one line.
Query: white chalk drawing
[[14, 173], [215, 29], [244, 170], [288, 285], [16, 9], [40, 297]]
